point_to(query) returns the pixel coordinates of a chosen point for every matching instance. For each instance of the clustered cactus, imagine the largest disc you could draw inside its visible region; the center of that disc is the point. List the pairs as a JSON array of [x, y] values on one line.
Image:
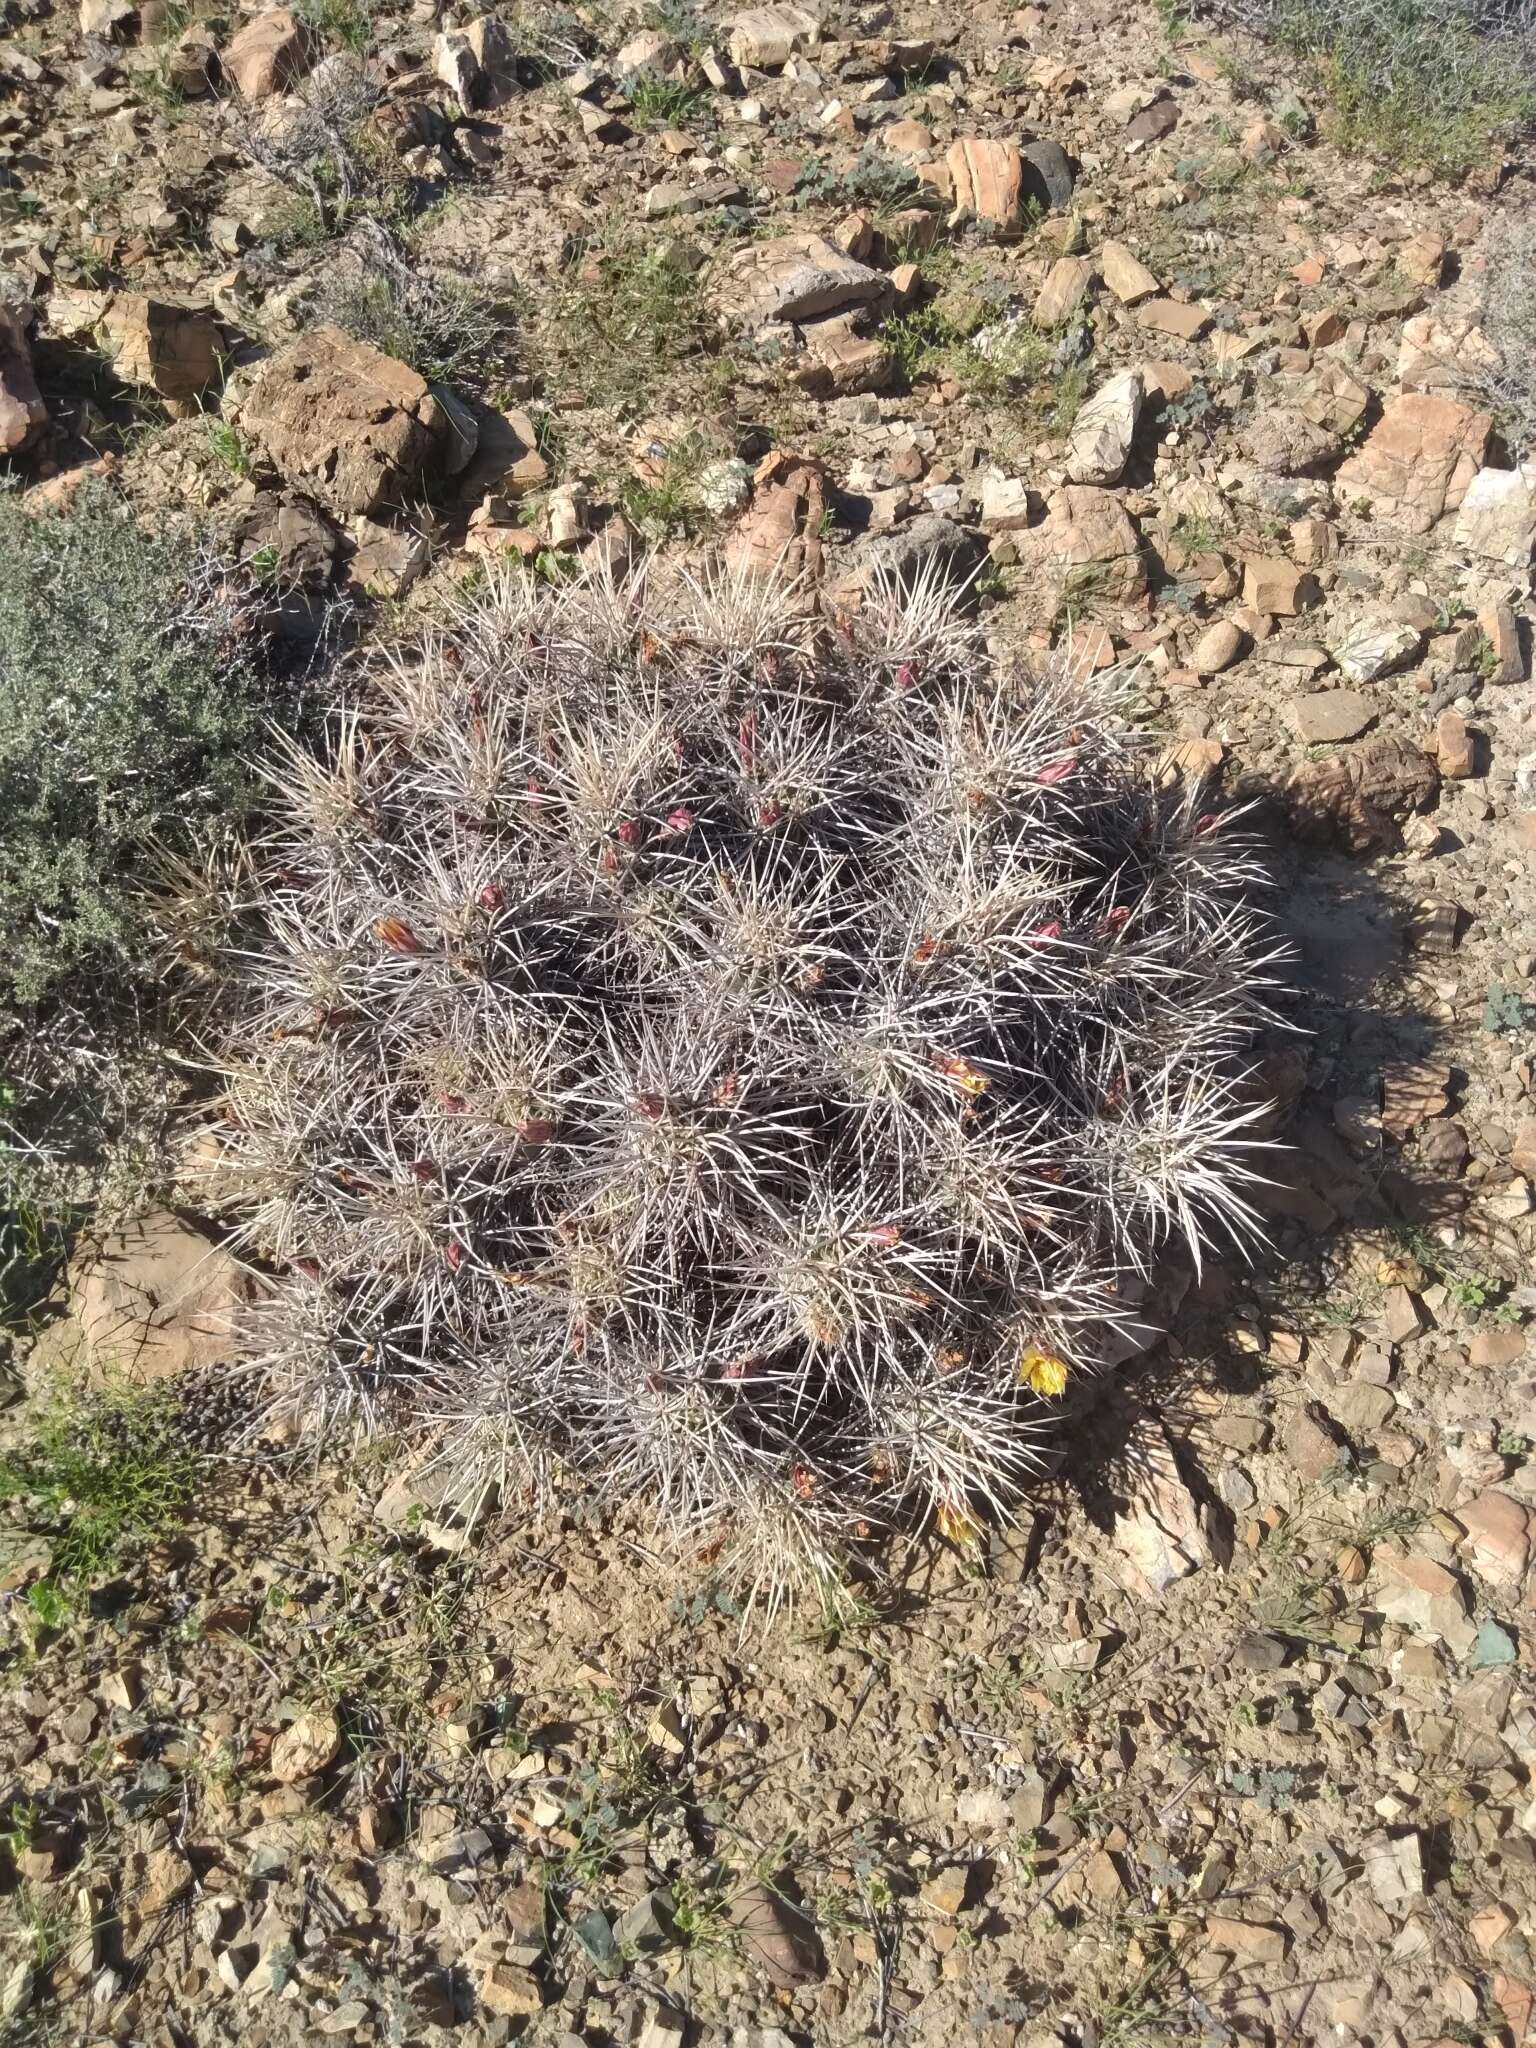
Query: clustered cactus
[[728, 1057]]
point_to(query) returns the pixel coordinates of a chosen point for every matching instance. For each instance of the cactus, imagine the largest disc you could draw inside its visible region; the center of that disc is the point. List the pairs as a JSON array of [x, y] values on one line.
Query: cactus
[[689, 1049]]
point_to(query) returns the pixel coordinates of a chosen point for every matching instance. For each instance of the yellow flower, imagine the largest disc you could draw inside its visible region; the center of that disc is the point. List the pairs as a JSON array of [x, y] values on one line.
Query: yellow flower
[[960, 1527], [1043, 1371]]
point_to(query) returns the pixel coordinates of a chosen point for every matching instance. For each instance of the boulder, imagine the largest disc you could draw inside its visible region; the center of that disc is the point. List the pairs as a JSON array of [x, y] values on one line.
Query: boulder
[[353, 427], [780, 533], [22, 411], [795, 277], [1418, 460], [1100, 442], [1360, 798], [268, 54]]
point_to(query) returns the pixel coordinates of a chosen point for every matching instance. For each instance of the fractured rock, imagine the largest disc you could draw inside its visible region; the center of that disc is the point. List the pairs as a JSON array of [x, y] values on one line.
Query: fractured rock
[[352, 426], [1325, 716], [268, 54], [1359, 798], [1126, 275], [1286, 442], [796, 277], [988, 181], [765, 38], [1377, 646], [1498, 516], [780, 534], [153, 1300], [1086, 545], [1418, 460], [160, 347]]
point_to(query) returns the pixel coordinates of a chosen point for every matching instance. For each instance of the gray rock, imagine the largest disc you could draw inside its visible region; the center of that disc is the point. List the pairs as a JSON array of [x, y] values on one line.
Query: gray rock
[[1047, 175], [1329, 715]]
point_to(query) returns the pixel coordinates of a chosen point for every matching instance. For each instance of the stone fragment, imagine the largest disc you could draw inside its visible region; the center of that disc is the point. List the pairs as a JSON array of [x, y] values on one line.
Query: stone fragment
[[1284, 440], [793, 278], [1126, 275], [510, 1992], [765, 38], [1501, 630], [1099, 445], [153, 1300], [1455, 747], [355, 428], [1271, 583], [1066, 283], [106, 18], [1330, 397], [987, 179], [1497, 519], [23, 414], [1248, 1942], [1498, 1536], [1423, 1595], [1047, 171], [309, 1745], [478, 64], [172, 350], [1394, 1867], [1310, 1444], [1168, 316], [1324, 717], [840, 361], [1217, 648], [1418, 460], [267, 55], [1159, 1532], [777, 1935], [1375, 646]]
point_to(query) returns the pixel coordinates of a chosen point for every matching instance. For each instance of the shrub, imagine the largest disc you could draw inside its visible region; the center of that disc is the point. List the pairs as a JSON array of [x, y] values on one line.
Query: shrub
[[728, 1062], [445, 326], [1436, 82], [1510, 325], [129, 703]]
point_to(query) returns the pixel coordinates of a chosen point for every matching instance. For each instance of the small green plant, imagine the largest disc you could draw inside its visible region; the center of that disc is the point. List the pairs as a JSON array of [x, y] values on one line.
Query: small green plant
[[224, 439], [875, 179], [346, 23], [663, 507], [663, 102], [102, 1473], [442, 323], [1506, 1012], [626, 325]]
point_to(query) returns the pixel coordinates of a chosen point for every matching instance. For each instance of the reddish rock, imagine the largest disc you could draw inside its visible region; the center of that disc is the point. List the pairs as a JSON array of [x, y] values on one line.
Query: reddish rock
[[987, 179], [22, 411], [1418, 459], [1498, 1537], [267, 55]]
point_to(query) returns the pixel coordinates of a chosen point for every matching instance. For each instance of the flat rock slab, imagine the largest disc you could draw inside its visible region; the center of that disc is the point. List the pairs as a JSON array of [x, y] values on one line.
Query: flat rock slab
[[154, 1300], [795, 277], [1418, 460], [1331, 715]]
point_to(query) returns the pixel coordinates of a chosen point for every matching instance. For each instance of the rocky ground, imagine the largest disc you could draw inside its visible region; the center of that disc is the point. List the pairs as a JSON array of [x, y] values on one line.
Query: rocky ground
[[1232, 1736]]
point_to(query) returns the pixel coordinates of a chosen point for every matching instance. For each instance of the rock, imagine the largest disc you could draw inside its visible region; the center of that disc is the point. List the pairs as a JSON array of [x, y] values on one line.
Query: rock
[[780, 534], [1418, 460], [1007, 504], [928, 545], [1328, 396], [1376, 647], [765, 38], [1256, 1650], [1100, 442], [1497, 519], [1066, 283], [1168, 316], [1361, 797], [840, 361], [647, 1927], [478, 64], [1455, 747], [1127, 277], [1273, 584], [23, 414], [945, 1894], [155, 1299], [1326, 716], [267, 55], [1500, 629], [1047, 173], [387, 559], [511, 1992], [355, 428], [1217, 648], [1284, 440], [774, 1933], [659, 2028], [988, 181], [1250, 1943], [1086, 546], [104, 18], [1159, 1532], [1498, 1536], [506, 464], [309, 1745], [1394, 1867], [160, 347], [1361, 1409], [1423, 1595], [191, 65], [793, 278], [16, 1991], [1310, 1443]]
